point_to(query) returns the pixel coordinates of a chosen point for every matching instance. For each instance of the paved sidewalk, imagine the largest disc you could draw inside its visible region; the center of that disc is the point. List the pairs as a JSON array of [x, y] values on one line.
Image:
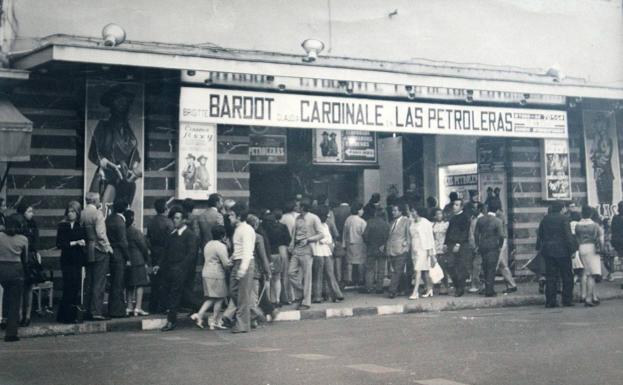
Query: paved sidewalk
[[354, 305]]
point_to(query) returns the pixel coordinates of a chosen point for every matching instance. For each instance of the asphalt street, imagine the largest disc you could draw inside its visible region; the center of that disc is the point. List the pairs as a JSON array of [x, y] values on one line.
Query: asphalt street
[[532, 345]]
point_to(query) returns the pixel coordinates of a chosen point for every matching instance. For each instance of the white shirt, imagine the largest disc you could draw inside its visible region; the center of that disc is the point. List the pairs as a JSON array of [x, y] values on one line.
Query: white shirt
[[244, 245], [324, 247], [180, 231]]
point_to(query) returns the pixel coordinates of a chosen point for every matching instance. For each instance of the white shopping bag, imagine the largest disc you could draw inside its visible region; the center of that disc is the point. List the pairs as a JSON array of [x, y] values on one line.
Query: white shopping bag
[[436, 273]]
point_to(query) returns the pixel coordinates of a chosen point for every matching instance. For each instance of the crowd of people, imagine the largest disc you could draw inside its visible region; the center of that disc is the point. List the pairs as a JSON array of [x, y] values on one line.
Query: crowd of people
[[306, 253]]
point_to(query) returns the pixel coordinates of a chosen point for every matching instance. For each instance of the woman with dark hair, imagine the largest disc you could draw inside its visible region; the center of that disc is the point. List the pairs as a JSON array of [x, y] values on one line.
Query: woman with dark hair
[[589, 237], [213, 276], [13, 251], [354, 244], [136, 276], [28, 228], [71, 240]]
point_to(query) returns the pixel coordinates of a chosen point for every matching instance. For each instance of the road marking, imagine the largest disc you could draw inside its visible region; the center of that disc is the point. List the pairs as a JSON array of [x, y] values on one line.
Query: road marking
[[311, 357], [390, 309], [438, 381], [371, 368], [259, 349], [174, 338]]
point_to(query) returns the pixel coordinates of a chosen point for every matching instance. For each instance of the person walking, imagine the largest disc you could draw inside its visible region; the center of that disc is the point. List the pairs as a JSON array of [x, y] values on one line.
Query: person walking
[[241, 280], [616, 229], [475, 264], [589, 238], [323, 275], [158, 231], [13, 251], [98, 256], [116, 230], [354, 244], [140, 260], [440, 228], [307, 230], [375, 237], [216, 263], [489, 238], [502, 265], [71, 240], [556, 245], [398, 246], [457, 242], [422, 251], [261, 276], [180, 254]]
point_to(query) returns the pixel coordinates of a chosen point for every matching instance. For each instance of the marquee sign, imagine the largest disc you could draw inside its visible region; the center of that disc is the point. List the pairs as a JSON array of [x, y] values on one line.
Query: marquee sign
[[205, 105]]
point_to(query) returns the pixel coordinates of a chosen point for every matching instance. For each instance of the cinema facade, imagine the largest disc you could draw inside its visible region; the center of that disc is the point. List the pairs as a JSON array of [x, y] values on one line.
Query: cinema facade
[[262, 127]]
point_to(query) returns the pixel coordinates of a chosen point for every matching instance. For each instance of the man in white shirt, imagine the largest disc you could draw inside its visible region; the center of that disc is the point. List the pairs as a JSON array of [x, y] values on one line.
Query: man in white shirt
[[241, 281]]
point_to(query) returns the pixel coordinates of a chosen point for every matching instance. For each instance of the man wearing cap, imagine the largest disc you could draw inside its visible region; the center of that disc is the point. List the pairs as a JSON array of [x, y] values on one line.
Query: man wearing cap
[[114, 149], [324, 145], [202, 176], [189, 172]]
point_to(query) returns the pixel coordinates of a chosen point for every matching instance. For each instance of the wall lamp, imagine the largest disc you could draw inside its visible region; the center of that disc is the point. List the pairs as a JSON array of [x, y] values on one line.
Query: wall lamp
[[410, 91], [113, 35], [312, 47], [555, 72], [524, 100], [469, 96]]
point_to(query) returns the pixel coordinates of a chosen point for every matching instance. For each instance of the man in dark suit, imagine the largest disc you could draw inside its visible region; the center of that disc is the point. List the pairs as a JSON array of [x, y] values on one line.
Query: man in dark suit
[[556, 244], [190, 297], [116, 230], [457, 240], [181, 252], [489, 238], [98, 257], [158, 231]]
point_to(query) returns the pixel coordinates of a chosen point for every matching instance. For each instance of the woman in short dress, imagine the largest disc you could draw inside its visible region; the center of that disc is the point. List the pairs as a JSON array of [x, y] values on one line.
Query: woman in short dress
[[590, 240], [354, 244], [422, 250], [213, 274], [139, 260]]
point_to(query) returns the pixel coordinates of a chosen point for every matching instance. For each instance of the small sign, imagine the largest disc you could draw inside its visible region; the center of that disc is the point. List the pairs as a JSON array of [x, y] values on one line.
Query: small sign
[[556, 169], [197, 161], [344, 147], [268, 149]]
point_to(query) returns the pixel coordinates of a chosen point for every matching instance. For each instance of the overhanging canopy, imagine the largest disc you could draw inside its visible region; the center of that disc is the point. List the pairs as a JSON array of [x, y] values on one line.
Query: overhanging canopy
[[15, 133]]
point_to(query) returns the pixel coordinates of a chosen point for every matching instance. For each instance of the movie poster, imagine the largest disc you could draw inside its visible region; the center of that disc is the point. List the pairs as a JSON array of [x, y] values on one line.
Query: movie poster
[[328, 147], [197, 161], [114, 144], [603, 176], [556, 169], [345, 147]]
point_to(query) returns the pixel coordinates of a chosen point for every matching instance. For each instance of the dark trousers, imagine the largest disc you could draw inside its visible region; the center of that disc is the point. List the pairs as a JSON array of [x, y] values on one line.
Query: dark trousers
[[72, 277], [489, 267], [240, 291], [286, 291], [116, 302], [190, 297], [558, 268], [95, 284], [12, 281], [398, 262], [174, 278], [156, 294], [458, 267], [375, 272]]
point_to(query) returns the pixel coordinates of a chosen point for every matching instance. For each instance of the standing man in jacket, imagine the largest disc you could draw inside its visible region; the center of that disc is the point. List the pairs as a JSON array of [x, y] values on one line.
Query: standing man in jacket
[[209, 218], [98, 257], [617, 232], [457, 240], [181, 253], [398, 246], [375, 236], [556, 244], [489, 238], [158, 232], [116, 230]]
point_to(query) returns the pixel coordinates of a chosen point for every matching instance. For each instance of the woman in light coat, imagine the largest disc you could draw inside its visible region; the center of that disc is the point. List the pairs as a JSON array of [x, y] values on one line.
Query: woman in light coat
[[422, 250]]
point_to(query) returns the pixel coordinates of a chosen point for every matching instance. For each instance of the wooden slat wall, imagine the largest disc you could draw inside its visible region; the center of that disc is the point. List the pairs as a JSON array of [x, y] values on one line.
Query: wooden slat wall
[[54, 175], [525, 186]]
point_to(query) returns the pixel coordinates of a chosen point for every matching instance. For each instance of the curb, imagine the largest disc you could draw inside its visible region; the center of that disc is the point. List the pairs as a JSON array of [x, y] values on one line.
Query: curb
[[155, 323]]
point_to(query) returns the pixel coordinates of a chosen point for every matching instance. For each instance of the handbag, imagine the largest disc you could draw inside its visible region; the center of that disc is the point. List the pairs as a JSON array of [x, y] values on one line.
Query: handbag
[[33, 270], [576, 262], [436, 273]]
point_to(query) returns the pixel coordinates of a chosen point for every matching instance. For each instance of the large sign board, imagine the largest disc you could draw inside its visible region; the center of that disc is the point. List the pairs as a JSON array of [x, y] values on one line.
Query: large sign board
[[217, 106]]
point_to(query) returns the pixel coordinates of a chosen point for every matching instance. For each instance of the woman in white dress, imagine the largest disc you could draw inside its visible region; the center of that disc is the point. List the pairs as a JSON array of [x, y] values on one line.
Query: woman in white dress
[[422, 251]]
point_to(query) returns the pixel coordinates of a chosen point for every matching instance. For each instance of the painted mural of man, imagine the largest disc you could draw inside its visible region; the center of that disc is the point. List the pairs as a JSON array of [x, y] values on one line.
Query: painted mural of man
[[601, 158], [114, 149]]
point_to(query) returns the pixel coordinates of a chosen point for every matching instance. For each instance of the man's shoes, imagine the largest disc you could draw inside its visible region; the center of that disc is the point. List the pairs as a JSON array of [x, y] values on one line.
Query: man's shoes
[[316, 301], [392, 295], [596, 301], [588, 304], [236, 330], [302, 307], [168, 327], [226, 322], [473, 290], [338, 299], [551, 305], [99, 318], [510, 290], [569, 304], [11, 338], [459, 293]]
